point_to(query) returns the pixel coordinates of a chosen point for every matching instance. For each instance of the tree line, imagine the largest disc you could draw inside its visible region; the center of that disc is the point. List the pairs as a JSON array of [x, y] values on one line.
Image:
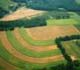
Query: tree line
[[27, 23]]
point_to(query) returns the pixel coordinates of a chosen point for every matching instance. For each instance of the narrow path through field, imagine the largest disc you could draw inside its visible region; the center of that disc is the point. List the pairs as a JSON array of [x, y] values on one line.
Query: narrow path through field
[[17, 54], [34, 48]]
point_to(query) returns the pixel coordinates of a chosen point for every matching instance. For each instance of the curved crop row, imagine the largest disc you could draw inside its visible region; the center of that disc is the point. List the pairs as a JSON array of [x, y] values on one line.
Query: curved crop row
[[24, 34], [22, 64], [27, 52], [31, 47]]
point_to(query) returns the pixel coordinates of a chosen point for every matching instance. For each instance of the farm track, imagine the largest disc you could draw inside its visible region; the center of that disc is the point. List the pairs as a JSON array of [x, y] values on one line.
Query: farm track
[[7, 65], [17, 54], [51, 32], [34, 48]]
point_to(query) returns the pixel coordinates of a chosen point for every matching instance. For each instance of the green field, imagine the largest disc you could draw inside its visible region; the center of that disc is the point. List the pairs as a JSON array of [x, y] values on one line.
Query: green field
[[72, 48], [5, 4], [73, 19]]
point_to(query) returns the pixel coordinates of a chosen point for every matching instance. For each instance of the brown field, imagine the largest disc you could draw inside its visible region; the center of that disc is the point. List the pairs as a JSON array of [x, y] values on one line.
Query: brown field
[[51, 32], [34, 48], [21, 13], [17, 54]]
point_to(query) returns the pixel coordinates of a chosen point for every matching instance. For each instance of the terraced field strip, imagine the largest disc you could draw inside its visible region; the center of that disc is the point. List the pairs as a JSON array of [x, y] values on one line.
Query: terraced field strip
[[50, 32], [17, 54], [21, 63], [26, 37], [21, 13], [19, 47], [6, 66], [72, 49], [34, 48]]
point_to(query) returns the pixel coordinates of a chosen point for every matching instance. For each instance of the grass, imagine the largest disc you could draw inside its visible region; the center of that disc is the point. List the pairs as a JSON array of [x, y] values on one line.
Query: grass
[[74, 19], [72, 48], [61, 21], [5, 4], [78, 2], [28, 52], [28, 39], [2, 68]]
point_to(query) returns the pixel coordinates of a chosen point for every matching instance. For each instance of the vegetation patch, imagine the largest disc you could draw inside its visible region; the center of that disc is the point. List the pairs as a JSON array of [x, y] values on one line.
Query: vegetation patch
[[72, 48]]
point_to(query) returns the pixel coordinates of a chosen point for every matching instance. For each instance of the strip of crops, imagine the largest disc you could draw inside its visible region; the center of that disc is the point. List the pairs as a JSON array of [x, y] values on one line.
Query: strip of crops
[[28, 52], [28, 39], [22, 64]]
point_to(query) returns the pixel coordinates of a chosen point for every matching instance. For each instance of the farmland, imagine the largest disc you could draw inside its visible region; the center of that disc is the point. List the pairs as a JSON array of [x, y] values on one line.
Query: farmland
[[36, 53], [39, 35]]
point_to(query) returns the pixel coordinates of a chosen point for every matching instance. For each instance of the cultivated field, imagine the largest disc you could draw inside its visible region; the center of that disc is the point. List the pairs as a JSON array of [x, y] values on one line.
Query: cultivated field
[[51, 32], [18, 49], [37, 48], [13, 47]]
